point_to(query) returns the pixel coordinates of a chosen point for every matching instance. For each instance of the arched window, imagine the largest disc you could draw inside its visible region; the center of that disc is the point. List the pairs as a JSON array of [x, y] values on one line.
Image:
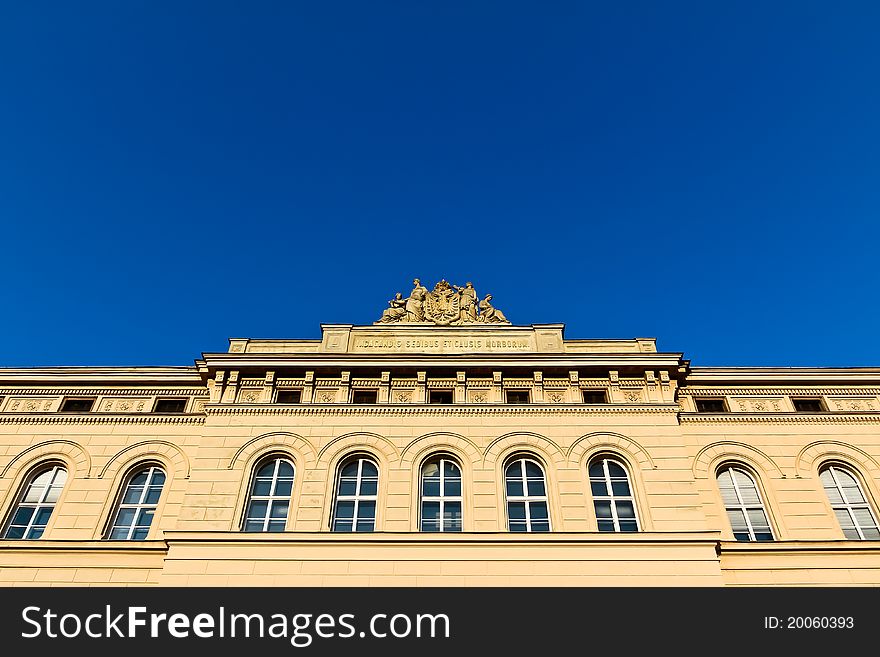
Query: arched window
[[269, 500], [526, 496], [745, 510], [133, 516], [35, 506], [612, 496], [849, 503], [357, 489], [441, 495]]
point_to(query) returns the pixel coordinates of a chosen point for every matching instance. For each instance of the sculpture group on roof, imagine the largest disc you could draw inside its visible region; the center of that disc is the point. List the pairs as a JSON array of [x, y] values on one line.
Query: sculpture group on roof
[[446, 305]]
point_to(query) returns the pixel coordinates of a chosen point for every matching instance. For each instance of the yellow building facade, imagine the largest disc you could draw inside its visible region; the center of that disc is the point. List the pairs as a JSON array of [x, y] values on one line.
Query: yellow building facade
[[440, 446]]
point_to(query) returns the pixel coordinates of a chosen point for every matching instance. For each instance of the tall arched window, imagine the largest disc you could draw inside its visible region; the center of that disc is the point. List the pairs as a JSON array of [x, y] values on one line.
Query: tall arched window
[[849, 503], [137, 505], [612, 496], [36, 503], [357, 489], [269, 500], [526, 496], [745, 510], [441, 495]]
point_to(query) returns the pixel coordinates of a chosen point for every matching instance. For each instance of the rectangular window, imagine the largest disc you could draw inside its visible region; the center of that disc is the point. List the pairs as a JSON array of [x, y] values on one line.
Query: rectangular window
[[808, 405], [595, 397], [517, 396], [288, 396], [716, 405], [77, 405], [440, 397], [364, 396], [170, 406]]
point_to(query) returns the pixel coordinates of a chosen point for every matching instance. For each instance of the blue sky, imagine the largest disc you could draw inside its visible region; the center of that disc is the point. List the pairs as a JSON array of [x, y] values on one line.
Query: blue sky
[[174, 174]]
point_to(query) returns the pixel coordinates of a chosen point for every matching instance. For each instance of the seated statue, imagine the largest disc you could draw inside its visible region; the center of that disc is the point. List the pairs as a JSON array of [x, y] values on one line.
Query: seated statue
[[396, 312], [490, 314]]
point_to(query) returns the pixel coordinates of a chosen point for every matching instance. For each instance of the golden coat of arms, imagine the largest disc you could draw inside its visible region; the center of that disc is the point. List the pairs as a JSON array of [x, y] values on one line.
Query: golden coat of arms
[[445, 305]]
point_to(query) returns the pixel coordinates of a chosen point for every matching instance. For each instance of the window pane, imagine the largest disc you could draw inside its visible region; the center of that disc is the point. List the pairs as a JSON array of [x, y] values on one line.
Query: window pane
[[139, 534], [863, 518], [350, 469], [742, 536], [763, 536], [139, 479], [852, 534], [145, 517], [541, 526], [54, 494], [431, 487], [538, 510], [347, 486], [450, 469], [853, 495], [34, 494], [596, 470], [258, 509], [431, 470], [15, 532], [518, 526], [369, 486], [369, 470], [366, 510], [153, 495], [283, 487], [532, 470], [616, 470], [285, 469], [42, 517], [345, 509], [125, 518], [514, 488], [365, 525], [536, 487], [23, 515], [834, 495], [603, 509], [452, 516], [262, 486], [431, 516], [871, 534], [514, 470], [606, 525], [628, 526], [119, 533], [749, 496], [844, 518], [267, 471], [279, 509], [342, 526], [620, 488], [133, 495], [758, 520], [625, 510], [516, 510], [598, 488], [452, 487], [737, 520], [845, 478], [253, 526], [276, 525]]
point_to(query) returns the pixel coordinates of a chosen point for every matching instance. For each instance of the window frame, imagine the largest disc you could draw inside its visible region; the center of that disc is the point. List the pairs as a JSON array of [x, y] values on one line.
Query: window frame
[[451, 391], [822, 407], [24, 487], [374, 398], [357, 498], [613, 499], [441, 458], [159, 400], [118, 505], [279, 393], [64, 401], [594, 391], [528, 394], [528, 500], [848, 506], [271, 499], [742, 506], [724, 407]]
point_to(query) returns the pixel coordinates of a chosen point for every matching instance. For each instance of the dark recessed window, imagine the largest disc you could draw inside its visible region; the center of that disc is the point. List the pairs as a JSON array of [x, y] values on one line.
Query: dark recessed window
[[440, 397], [594, 397], [77, 405], [288, 396], [711, 406], [517, 396], [808, 405], [364, 396], [170, 406]]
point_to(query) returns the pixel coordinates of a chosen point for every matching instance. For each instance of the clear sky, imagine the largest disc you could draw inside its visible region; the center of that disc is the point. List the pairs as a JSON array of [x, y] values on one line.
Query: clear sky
[[176, 173]]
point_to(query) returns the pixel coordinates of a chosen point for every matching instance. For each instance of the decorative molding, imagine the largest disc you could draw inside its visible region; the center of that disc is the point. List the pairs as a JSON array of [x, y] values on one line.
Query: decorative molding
[[733, 450], [281, 440], [525, 440], [751, 392], [75, 451], [437, 441], [831, 449], [146, 448], [458, 410], [784, 418], [117, 392], [101, 418], [611, 441]]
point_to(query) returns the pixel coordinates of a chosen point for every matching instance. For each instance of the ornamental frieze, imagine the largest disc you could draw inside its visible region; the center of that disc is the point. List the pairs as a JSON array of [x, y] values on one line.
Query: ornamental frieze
[[445, 305]]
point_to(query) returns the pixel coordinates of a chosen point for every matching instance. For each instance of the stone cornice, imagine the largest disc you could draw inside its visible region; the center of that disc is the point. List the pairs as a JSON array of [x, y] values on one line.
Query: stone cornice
[[100, 418], [798, 547], [457, 410], [201, 392], [694, 391], [782, 418]]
